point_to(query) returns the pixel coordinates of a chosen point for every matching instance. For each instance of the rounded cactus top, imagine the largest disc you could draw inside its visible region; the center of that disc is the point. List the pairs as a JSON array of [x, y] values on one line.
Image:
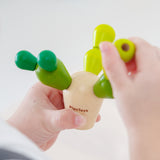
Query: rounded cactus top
[[25, 60], [47, 60], [102, 33]]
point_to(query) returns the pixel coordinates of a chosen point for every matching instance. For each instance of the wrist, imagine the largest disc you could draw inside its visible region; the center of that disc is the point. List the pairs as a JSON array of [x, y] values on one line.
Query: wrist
[[14, 124], [144, 144]]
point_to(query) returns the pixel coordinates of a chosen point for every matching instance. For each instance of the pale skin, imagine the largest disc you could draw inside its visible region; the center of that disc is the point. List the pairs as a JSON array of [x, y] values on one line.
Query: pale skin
[[41, 115], [137, 96]]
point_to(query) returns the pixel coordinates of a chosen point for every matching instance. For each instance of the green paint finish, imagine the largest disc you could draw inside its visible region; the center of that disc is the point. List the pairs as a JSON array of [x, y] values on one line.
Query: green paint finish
[[25, 60], [93, 61], [59, 79], [126, 49], [47, 60], [102, 88], [102, 33]]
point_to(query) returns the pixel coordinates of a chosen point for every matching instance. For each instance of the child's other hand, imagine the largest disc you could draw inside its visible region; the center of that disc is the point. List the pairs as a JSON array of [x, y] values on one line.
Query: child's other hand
[[41, 116], [137, 95]]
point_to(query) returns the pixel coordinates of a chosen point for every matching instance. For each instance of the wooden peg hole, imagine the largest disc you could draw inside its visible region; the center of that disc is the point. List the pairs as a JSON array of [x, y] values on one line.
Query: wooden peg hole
[[125, 47]]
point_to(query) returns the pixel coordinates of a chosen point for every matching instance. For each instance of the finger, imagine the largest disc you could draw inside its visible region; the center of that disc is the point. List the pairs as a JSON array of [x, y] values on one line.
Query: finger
[[131, 66], [64, 119], [144, 56], [56, 98], [157, 52], [98, 118], [48, 144], [41, 89], [113, 65], [52, 97]]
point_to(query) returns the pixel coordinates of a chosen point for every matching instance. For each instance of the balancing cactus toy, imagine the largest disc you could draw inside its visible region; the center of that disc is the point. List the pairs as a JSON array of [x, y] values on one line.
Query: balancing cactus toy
[[84, 91]]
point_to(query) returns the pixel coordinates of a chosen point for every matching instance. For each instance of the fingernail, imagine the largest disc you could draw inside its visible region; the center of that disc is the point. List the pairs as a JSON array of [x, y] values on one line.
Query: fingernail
[[103, 47], [79, 120]]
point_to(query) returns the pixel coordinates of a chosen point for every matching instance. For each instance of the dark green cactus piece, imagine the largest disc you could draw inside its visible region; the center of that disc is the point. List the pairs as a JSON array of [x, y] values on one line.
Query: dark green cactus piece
[[25, 60], [47, 60]]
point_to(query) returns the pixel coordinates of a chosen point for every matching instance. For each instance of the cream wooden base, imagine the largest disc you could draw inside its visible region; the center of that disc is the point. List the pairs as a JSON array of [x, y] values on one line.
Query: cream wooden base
[[80, 97]]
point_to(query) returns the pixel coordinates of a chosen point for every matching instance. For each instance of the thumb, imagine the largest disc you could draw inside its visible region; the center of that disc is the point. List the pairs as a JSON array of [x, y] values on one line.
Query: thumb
[[113, 65], [65, 119]]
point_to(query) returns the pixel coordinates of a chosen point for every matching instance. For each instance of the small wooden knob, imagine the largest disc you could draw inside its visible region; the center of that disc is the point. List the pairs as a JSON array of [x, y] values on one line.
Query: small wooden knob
[[101, 33], [126, 49], [25, 60]]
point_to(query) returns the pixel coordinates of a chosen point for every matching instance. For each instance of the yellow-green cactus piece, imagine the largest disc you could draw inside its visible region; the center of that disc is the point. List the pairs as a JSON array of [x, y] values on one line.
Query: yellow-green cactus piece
[[126, 49], [93, 61], [102, 33]]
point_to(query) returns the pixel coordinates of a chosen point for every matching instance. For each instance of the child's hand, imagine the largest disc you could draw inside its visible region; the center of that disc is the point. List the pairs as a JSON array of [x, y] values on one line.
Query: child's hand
[[41, 116], [137, 96]]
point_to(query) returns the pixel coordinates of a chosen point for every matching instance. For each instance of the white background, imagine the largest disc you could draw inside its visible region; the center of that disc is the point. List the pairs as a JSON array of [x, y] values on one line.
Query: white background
[[65, 27]]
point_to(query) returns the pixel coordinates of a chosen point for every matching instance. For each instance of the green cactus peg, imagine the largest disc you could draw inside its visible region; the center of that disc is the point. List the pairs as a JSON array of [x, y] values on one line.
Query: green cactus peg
[[49, 69], [102, 88], [47, 60], [59, 78], [25, 60]]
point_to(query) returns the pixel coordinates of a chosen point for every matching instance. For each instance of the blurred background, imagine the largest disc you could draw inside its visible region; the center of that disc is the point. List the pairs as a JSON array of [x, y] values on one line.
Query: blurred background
[[66, 27]]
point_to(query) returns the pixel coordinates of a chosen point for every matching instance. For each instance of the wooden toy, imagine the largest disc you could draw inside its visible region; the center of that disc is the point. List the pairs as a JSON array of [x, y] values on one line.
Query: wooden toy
[[81, 98], [84, 91]]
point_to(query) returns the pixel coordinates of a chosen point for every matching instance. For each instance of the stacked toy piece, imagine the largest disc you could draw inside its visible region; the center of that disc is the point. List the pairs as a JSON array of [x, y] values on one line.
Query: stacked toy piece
[[49, 69], [93, 61]]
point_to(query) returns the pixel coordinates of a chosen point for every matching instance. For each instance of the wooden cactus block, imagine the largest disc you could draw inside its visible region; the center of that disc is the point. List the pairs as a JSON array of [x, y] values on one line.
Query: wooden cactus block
[[81, 98]]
